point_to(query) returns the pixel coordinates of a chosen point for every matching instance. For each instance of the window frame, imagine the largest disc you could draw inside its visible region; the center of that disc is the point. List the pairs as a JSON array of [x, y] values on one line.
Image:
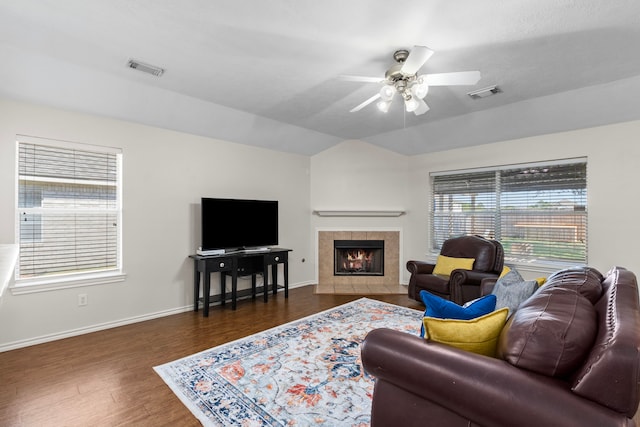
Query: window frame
[[69, 279], [537, 264]]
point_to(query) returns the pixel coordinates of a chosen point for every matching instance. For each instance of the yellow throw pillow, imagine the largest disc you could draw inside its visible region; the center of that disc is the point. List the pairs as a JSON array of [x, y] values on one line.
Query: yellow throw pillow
[[505, 270], [541, 281], [479, 335], [445, 265]]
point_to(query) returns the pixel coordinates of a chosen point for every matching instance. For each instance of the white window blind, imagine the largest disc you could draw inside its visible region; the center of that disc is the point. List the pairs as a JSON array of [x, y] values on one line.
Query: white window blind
[[68, 210], [538, 212]]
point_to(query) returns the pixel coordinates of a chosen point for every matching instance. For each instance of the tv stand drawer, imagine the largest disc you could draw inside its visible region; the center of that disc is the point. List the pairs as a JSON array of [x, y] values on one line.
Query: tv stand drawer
[[275, 258], [218, 264]]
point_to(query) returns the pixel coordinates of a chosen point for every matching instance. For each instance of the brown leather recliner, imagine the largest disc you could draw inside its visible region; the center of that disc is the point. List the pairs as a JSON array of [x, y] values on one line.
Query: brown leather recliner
[[424, 383], [462, 285]]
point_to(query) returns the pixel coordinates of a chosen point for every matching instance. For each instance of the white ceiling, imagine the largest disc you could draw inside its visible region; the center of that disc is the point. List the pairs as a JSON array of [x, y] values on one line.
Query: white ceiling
[[266, 72]]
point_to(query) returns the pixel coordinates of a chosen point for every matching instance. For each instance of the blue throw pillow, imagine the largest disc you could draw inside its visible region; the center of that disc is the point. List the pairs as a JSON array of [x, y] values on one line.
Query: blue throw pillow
[[445, 309]]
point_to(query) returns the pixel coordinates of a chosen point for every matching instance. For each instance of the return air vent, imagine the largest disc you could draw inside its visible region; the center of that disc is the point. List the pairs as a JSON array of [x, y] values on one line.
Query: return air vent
[[146, 68], [484, 92]]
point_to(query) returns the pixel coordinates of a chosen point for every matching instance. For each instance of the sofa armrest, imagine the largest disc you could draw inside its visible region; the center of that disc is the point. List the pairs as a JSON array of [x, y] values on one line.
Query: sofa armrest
[[487, 391], [461, 279], [469, 277], [487, 285], [420, 267]]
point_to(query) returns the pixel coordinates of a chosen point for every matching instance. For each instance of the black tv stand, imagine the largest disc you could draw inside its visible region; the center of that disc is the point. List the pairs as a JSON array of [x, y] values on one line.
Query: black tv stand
[[241, 263]]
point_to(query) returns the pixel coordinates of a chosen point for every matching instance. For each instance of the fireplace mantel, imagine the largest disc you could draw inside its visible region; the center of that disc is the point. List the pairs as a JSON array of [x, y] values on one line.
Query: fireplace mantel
[[328, 212]]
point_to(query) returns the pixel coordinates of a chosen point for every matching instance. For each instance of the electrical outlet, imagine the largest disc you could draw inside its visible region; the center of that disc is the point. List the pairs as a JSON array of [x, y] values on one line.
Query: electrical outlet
[[82, 300]]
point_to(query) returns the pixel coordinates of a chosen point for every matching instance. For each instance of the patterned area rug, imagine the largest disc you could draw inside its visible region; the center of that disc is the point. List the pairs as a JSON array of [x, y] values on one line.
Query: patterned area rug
[[307, 372]]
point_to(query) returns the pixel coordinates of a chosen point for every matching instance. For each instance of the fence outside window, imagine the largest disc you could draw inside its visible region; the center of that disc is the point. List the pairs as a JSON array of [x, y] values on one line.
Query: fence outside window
[[537, 211], [68, 211]]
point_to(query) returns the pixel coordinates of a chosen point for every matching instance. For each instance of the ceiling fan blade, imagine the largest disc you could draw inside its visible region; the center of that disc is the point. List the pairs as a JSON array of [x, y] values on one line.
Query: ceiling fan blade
[[365, 103], [422, 108], [452, 79], [364, 79], [417, 57]]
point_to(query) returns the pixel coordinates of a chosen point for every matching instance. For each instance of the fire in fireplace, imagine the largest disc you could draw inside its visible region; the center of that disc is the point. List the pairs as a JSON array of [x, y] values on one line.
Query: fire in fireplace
[[358, 257]]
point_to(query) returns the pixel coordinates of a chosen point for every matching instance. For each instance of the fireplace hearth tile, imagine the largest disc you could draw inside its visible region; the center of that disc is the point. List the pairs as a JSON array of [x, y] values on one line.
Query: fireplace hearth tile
[[361, 290], [360, 283]]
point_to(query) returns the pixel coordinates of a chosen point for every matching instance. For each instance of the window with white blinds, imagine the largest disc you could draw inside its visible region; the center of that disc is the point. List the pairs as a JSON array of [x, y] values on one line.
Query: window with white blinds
[[537, 211], [68, 209]]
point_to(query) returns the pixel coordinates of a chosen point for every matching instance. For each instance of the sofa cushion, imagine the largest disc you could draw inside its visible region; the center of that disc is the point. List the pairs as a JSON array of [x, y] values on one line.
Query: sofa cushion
[[445, 309], [504, 271], [478, 335], [445, 265], [551, 333], [585, 280], [610, 373], [511, 290], [510, 276]]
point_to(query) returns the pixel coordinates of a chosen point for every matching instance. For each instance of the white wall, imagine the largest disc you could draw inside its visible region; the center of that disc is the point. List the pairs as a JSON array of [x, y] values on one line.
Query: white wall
[[165, 173], [612, 175], [355, 175]]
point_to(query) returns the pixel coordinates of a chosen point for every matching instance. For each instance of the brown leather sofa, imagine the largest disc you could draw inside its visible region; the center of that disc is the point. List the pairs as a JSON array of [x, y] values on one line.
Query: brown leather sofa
[[540, 378], [462, 285]]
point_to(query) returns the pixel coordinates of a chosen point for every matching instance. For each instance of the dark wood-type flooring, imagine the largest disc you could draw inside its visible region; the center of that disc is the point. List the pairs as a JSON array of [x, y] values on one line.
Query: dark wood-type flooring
[[106, 378]]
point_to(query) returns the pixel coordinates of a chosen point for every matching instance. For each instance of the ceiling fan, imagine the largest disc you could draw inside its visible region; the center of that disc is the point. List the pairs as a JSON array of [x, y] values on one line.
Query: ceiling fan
[[403, 79]]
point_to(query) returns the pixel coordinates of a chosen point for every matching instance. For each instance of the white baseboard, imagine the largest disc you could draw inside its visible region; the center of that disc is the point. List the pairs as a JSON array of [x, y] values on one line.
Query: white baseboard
[[108, 325], [301, 284], [94, 328]]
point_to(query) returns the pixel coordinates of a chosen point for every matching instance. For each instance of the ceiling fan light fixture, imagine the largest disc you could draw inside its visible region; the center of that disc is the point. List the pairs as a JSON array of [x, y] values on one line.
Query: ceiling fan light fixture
[[420, 89], [387, 92], [411, 104], [384, 106]]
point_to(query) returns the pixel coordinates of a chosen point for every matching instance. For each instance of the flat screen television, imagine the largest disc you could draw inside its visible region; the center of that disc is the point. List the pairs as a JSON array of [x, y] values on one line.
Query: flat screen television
[[233, 224]]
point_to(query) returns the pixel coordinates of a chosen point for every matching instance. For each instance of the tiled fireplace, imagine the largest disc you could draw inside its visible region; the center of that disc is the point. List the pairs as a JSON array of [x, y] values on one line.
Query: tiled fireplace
[[358, 259]]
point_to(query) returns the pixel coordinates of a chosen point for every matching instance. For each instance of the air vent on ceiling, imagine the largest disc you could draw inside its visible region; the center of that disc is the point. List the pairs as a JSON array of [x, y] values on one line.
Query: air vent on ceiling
[[141, 66], [484, 92]]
